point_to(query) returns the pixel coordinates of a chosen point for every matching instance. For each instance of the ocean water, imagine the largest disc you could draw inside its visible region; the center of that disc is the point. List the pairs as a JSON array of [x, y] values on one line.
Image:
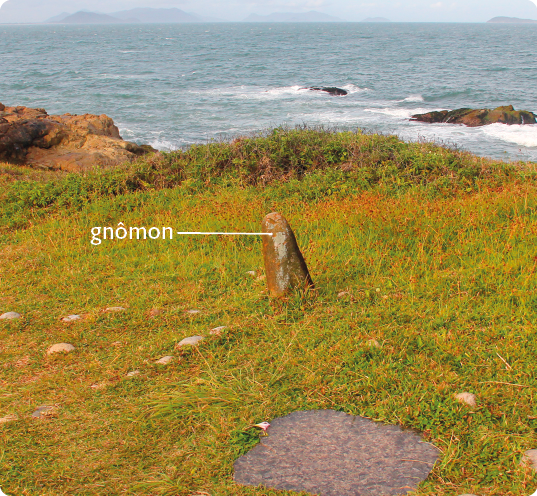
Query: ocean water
[[174, 85]]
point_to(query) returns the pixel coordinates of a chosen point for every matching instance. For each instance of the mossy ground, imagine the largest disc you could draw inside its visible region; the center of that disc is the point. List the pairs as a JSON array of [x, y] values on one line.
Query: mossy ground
[[429, 251]]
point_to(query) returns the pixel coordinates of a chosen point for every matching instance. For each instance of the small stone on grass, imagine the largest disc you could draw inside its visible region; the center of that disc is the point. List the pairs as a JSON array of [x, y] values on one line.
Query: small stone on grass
[[60, 348], [71, 318], [133, 373], [193, 311], [341, 294], [530, 458], [10, 316], [217, 330], [373, 343], [154, 312], [467, 398], [164, 360], [190, 341], [8, 418], [45, 411], [115, 309], [252, 273]]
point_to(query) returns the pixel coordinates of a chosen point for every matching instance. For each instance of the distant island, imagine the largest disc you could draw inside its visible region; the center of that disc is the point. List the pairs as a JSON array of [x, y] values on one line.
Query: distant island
[[311, 16], [376, 19], [139, 15], [512, 20]]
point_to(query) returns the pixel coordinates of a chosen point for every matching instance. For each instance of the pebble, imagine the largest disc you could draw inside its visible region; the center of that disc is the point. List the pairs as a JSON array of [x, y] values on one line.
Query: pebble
[[217, 330], [467, 495], [530, 458], [115, 309], [133, 373], [8, 418], [192, 340], [154, 312], [164, 360], [10, 316], [252, 273], [467, 398], [44, 411], [60, 347], [341, 294], [373, 343], [193, 312], [71, 318]]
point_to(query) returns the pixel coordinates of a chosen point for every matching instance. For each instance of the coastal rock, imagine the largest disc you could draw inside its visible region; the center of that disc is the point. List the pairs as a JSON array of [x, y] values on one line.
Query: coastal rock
[[191, 341], [68, 142], [480, 117], [331, 90], [60, 348], [10, 316]]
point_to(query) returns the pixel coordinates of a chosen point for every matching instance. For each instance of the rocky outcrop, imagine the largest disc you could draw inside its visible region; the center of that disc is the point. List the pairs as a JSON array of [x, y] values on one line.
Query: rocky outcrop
[[480, 117], [330, 90], [68, 142]]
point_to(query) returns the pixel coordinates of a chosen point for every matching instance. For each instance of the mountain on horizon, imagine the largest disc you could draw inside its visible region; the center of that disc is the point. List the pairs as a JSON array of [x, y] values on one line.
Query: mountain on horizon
[[138, 15], [83, 17], [311, 16], [511, 20]]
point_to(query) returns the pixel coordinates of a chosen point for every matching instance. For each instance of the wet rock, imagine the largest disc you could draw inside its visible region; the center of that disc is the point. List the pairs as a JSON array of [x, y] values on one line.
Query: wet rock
[[8, 418], [529, 458], [60, 348], [67, 142], [164, 360], [45, 411], [480, 117], [134, 373], [191, 341], [285, 267], [217, 330], [10, 316], [467, 398], [71, 318], [331, 90], [115, 309]]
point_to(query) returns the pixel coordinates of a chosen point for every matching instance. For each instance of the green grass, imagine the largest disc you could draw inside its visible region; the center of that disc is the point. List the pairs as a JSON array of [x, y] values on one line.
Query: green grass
[[433, 250]]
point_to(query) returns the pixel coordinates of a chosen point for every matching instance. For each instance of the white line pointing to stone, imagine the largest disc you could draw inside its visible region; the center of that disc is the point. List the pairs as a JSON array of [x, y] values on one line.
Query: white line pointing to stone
[[227, 234]]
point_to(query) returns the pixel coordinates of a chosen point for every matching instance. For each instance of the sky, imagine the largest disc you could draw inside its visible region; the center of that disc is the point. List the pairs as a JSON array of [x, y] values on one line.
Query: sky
[[236, 10]]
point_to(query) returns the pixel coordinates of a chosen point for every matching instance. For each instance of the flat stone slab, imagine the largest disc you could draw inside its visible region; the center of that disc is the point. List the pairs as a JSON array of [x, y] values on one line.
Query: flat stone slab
[[330, 453]]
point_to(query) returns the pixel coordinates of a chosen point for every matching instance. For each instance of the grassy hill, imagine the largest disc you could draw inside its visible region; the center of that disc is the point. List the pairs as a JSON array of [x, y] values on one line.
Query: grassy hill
[[424, 262]]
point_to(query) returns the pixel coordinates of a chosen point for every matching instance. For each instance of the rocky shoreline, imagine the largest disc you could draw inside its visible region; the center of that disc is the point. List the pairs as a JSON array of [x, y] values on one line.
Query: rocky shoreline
[[478, 117], [74, 143]]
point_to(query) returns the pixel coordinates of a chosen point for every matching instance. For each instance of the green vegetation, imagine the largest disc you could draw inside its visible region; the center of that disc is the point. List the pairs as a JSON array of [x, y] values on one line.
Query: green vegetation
[[427, 250]]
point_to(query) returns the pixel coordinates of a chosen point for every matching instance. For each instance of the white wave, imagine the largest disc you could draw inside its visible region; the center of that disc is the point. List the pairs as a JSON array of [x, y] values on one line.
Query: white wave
[[163, 145], [352, 88], [525, 135], [414, 98], [400, 113]]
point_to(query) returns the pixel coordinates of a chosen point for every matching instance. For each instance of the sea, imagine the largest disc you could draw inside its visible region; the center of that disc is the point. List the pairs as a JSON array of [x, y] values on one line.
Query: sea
[[173, 85]]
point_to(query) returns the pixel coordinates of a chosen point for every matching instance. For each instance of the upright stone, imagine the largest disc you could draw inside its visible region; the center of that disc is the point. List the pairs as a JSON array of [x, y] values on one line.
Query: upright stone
[[285, 267]]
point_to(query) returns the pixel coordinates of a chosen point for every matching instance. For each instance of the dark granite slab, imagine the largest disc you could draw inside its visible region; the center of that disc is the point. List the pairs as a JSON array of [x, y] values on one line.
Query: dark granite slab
[[330, 453]]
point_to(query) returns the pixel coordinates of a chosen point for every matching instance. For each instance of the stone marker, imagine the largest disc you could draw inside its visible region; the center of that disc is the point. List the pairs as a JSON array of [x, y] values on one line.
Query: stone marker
[[530, 458], [285, 267], [466, 398], [330, 453], [164, 360], [191, 341], [60, 347], [10, 316]]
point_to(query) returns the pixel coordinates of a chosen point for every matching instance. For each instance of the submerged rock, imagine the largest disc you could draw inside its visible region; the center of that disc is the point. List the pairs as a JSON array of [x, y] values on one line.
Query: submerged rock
[[68, 142], [480, 117], [332, 90]]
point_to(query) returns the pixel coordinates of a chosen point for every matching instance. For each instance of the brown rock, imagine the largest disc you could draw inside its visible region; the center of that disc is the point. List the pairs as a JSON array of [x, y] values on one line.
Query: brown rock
[[285, 267], [480, 117], [67, 142]]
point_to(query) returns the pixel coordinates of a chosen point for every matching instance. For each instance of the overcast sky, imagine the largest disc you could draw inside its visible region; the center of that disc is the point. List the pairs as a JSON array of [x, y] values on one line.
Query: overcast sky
[[234, 10]]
